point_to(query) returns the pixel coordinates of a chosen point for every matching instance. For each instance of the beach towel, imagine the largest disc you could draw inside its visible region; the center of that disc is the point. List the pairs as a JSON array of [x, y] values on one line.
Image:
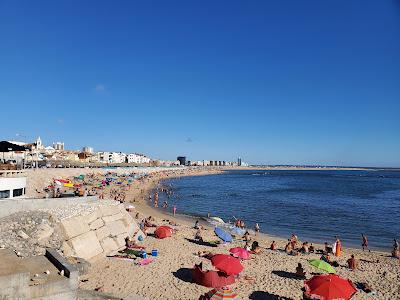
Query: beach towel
[[145, 262]]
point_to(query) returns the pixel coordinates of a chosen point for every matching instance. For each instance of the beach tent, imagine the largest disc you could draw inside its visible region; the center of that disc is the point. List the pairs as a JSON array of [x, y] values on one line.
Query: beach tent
[[211, 278], [163, 231], [329, 287], [227, 264], [322, 265], [240, 253], [220, 294], [223, 235]]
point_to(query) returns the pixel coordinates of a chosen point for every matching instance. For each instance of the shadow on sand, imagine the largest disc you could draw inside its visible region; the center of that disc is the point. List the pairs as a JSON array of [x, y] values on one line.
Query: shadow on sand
[[184, 274], [261, 295], [201, 243], [286, 274]]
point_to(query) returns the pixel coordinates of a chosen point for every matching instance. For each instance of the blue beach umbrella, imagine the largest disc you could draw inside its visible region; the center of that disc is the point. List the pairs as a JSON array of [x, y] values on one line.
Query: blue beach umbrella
[[237, 231], [223, 235]]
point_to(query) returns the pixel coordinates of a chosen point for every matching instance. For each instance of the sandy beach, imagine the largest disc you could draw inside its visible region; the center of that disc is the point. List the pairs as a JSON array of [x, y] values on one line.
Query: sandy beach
[[169, 276]]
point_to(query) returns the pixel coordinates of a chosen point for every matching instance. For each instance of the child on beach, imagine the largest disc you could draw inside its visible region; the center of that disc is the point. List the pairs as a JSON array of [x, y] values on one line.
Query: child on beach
[[174, 209]]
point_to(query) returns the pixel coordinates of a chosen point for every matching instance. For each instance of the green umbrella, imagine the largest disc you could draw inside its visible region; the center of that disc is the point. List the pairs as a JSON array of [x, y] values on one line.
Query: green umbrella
[[320, 264]]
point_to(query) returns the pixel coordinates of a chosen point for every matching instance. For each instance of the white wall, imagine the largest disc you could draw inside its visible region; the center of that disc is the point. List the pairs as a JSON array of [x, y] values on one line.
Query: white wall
[[11, 184]]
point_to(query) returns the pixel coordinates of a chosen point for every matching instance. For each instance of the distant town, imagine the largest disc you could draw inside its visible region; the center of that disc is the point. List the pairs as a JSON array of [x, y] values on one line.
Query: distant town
[[37, 154]]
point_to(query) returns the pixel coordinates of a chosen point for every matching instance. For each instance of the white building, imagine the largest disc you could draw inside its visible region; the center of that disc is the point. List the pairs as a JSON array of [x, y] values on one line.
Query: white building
[[111, 157], [135, 158], [87, 150], [39, 144], [58, 146], [12, 184]]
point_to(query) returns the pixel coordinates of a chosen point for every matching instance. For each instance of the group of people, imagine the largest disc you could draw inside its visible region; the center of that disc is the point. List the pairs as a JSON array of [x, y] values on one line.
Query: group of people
[[239, 223], [168, 192]]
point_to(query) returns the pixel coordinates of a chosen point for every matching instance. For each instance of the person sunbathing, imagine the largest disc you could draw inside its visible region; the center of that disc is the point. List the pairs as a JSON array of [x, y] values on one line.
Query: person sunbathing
[[246, 236], [247, 247], [273, 245], [198, 236], [326, 258], [300, 271], [288, 247], [255, 248], [352, 263], [328, 249], [304, 248]]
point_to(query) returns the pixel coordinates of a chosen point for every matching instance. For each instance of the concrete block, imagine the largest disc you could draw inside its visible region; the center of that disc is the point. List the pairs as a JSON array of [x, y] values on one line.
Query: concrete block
[[96, 224], [67, 250], [102, 232], [112, 218], [121, 207], [93, 216], [120, 240], [117, 227], [109, 210], [132, 228], [61, 263], [74, 226], [127, 218], [86, 245], [109, 245]]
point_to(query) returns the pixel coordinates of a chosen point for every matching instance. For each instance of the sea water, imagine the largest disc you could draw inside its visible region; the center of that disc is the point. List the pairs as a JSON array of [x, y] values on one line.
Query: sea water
[[315, 205]]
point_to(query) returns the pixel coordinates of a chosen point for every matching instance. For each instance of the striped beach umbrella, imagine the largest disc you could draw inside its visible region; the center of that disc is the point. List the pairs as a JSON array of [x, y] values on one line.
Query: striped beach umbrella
[[221, 293]]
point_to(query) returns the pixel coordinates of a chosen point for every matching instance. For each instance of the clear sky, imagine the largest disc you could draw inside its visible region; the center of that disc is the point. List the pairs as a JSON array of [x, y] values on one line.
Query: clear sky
[[276, 82]]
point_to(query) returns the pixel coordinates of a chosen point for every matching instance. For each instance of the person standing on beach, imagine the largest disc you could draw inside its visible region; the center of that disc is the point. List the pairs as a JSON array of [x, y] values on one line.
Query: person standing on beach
[[337, 247], [364, 242], [174, 209], [256, 228]]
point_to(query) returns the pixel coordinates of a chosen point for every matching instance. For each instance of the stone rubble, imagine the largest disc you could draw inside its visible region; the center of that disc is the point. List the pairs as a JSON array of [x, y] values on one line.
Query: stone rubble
[[85, 230]]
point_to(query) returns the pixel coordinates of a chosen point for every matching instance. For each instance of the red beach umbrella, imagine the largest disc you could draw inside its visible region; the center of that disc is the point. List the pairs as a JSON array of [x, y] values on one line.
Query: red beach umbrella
[[227, 264], [329, 287], [240, 253], [211, 278], [163, 231]]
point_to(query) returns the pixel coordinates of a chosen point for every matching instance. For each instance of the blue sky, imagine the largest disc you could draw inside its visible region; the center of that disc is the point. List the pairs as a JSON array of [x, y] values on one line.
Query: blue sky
[[277, 82]]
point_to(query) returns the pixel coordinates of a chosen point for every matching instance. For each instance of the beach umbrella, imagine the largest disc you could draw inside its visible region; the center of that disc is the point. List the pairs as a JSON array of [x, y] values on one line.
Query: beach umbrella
[[240, 252], [211, 278], [227, 264], [329, 287], [162, 232], [322, 265], [223, 235], [221, 293], [238, 231]]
